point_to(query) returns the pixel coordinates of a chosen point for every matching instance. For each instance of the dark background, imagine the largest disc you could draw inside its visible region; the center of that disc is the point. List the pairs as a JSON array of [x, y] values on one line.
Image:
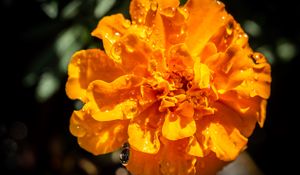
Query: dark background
[[34, 135]]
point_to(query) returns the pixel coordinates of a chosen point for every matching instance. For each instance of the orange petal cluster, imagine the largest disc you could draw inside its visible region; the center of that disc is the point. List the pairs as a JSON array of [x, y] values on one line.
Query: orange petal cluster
[[180, 84]]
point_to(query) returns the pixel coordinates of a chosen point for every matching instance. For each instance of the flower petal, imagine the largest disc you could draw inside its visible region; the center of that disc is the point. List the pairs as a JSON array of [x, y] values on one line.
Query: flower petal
[[133, 50], [209, 164], [142, 163], [176, 127], [227, 146], [205, 18], [202, 75], [248, 108], [115, 100], [246, 72], [87, 66], [230, 34], [231, 119], [179, 58], [143, 131], [98, 137], [139, 8], [185, 109], [110, 29], [171, 159], [194, 148], [174, 160], [221, 132]]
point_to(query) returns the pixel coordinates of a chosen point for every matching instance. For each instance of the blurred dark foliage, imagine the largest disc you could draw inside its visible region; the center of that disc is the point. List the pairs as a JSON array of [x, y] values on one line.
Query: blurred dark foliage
[[34, 133]]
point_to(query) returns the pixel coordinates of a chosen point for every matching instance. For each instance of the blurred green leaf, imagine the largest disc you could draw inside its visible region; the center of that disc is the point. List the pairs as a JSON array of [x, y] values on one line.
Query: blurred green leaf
[[102, 7], [68, 42], [72, 9], [50, 8], [286, 50], [252, 28], [47, 86]]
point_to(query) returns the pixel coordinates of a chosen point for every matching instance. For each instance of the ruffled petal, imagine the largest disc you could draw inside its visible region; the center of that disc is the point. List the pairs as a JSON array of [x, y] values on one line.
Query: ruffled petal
[[230, 119], [221, 132], [202, 75], [115, 100], [250, 109], [139, 9], [177, 127], [230, 34], [209, 164], [87, 66], [110, 29], [171, 159], [174, 160], [143, 130], [175, 25], [98, 137], [195, 149], [227, 146], [179, 58], [205, 19], [142, 163], [241, 70], [132, 51]]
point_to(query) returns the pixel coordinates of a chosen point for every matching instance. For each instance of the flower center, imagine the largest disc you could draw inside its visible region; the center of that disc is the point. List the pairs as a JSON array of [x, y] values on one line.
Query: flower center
[[180, 90]]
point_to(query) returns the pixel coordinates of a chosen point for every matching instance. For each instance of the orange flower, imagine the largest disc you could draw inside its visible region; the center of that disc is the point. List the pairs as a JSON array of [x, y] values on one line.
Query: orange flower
[[180, 84]]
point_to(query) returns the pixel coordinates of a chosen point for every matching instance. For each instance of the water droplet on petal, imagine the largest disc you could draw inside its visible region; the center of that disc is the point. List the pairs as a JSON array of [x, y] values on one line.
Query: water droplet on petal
[[184, 11], [223, 17], [149, 31], [170, 11], [77, 130], [153, 6], [178, 37], [116, 51], [229, 28], [126, 24], [140, 20], [166, 167], [242, 39], [78, 61], [219, 2], [117, 34], [256, 57], [125, 153], [256, 76], [129, 108]]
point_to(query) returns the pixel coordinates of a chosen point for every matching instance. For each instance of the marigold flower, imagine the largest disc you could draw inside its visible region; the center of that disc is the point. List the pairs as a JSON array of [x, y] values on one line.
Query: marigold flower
[[180, 84]]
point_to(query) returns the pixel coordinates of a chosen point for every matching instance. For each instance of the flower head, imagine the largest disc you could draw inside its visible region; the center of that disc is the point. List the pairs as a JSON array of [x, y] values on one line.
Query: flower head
[[180, 84]]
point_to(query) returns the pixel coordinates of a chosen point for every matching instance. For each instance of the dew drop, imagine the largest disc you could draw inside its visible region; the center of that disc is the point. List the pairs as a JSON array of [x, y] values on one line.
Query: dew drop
[[149, 31], [178, 37], [223, 17], [126, 24], [229, 28], [185, 12], [256, 57], [170, 11], [117, 34], [140, 20], [125, 153], [130, 109], [242, 39], [77, 130], [116, 51], [172, 116], [219, 2], [256, 77], [153, 6]]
